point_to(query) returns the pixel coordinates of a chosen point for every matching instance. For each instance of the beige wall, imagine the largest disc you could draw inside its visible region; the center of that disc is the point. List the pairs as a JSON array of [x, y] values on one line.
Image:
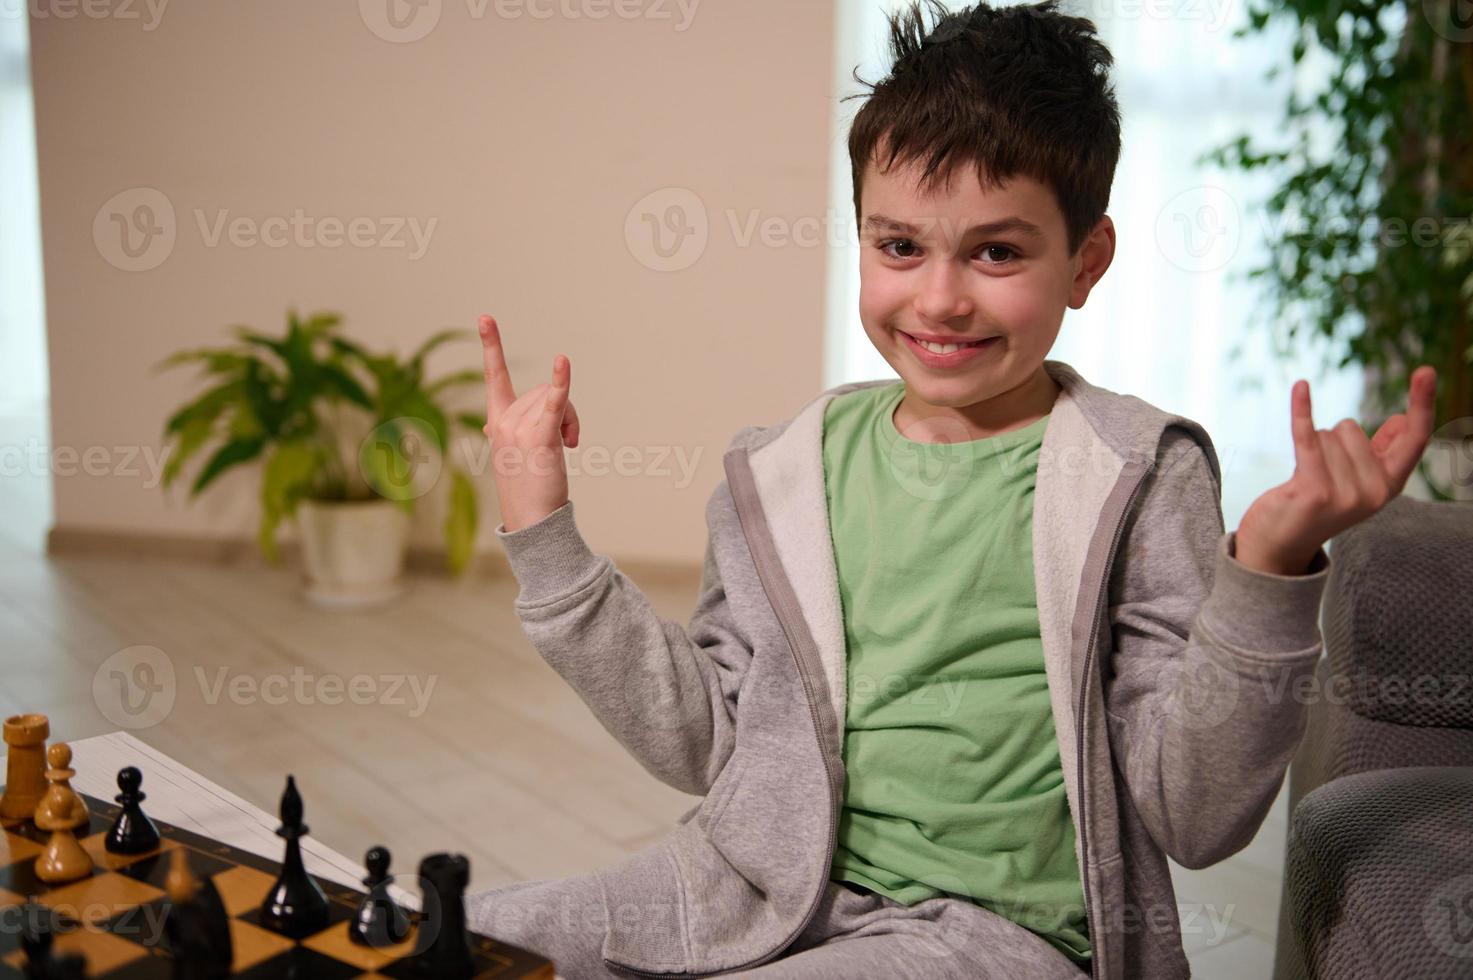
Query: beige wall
[[526, 140]]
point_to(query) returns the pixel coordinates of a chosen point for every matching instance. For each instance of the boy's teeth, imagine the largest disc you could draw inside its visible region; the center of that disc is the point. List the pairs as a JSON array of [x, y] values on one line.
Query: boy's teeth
[[943, 348]]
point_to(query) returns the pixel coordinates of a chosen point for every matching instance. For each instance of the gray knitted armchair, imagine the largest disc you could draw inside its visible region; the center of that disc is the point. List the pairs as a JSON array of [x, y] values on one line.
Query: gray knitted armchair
[[1378, 881]]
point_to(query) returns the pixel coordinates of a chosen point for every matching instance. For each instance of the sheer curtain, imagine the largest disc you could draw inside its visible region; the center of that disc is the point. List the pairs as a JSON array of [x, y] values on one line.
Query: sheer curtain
[[25, 502], [1164, 322]]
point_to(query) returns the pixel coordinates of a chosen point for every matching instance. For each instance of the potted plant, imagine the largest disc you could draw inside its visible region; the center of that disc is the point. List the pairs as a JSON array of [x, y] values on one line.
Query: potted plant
[[348, 440], [1383, 267]]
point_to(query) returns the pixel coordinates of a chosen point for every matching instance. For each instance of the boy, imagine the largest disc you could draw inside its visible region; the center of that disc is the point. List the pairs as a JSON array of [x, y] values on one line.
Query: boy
[[973, 653]]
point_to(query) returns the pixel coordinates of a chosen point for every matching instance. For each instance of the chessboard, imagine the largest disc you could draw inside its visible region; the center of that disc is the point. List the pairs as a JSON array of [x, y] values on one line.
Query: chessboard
[[115, 916]]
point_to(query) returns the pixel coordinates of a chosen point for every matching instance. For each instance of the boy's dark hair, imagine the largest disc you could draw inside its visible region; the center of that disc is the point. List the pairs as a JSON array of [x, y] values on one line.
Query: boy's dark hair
[[1014, 90]]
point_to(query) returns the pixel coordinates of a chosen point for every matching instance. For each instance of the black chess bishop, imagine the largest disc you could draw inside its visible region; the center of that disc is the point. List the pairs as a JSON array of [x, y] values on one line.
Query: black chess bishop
[[295, 906]]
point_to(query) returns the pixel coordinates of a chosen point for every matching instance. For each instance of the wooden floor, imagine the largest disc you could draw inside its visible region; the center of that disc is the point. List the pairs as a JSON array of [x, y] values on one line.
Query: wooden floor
[[503, 762]]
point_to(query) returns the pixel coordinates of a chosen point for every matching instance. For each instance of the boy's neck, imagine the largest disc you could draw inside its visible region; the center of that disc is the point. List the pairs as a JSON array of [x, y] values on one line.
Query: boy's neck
[[1013, 409]]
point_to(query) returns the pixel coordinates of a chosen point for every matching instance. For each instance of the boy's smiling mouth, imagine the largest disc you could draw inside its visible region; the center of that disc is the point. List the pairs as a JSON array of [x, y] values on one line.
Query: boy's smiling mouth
[[947, 355]]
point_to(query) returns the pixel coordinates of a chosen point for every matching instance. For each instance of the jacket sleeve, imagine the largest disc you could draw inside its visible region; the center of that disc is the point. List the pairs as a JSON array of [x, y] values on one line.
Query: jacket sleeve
[[667, 693], [1205, 691]]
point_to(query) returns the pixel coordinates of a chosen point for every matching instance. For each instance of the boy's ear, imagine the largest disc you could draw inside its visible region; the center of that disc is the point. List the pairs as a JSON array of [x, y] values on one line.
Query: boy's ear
[[1093, 258]]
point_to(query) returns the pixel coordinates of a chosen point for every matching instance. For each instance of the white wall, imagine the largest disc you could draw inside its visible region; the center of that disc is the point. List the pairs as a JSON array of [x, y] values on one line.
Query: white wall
[[527, 140]]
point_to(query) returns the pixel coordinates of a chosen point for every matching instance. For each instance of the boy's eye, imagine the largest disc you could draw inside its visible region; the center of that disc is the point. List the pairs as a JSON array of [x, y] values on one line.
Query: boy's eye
[[899, 243], [1008, 253]]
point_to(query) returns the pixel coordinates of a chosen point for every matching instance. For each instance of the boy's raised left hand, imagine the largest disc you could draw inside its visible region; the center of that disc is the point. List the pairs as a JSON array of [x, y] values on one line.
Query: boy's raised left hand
[[1340, 479]]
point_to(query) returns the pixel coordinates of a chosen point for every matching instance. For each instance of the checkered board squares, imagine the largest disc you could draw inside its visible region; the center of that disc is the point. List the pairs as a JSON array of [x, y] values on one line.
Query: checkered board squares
[[115, 916]]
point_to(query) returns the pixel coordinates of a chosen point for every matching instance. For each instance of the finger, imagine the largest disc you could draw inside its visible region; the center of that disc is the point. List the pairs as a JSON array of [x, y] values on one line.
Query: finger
[[572, 428], [1404, 452], [1387, 433], [1343, 486], [1309, 459], [555, 402], [499, 392], [530, 401], [1372, 482]]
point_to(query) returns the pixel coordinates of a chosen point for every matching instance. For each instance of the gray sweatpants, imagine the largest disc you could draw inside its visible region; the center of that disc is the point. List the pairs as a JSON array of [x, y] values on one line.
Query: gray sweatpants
[[852, 935]]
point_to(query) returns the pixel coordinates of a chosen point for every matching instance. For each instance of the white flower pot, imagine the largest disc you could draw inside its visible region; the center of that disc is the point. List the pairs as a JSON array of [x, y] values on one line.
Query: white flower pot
[[352, 551]]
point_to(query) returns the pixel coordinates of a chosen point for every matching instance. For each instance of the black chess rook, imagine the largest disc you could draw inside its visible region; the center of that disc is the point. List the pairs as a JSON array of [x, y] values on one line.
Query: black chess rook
[[443, 948]]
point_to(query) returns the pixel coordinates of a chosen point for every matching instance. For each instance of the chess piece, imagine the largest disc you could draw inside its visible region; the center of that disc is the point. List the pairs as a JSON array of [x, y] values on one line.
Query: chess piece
[[379, 920], [195, 923], [59, 757], [63, 859], [25, 767], [36, 940], [443, 948], [295, 906], [132, 832]]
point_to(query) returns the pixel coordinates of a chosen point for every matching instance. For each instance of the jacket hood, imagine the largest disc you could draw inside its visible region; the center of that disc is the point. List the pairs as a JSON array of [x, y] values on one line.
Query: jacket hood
[[1129, 426]]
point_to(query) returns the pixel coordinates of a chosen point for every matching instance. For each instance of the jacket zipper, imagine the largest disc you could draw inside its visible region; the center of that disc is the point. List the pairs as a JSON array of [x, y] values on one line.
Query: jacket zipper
[[1080, 727], [786, 617]]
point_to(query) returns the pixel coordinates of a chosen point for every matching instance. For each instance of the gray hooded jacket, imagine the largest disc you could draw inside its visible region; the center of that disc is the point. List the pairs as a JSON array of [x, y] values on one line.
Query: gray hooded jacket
[[1169, 666]]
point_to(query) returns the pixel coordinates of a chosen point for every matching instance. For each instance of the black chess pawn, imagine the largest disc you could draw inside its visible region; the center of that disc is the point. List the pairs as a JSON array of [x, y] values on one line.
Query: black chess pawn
[[442, 947], [295, 906], [36, 941], [379, 920], [132, 832]]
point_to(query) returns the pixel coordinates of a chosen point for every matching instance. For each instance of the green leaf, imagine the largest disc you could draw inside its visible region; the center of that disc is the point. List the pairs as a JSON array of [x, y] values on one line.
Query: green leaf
[[417, 405], [460, 522], [232, 453], [340, 381], [321, 324], [417, 360], [278, 347], [385, 467], [207, 406], [215, 361], [192, 438], [286, 479], [472, 421], [454, 380]]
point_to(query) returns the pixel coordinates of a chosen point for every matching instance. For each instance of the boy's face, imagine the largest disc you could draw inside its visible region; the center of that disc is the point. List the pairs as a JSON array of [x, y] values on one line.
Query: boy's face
[[927, 270]]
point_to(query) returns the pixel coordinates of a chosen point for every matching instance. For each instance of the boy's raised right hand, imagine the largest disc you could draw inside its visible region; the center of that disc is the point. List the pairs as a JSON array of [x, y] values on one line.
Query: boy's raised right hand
[[527, 435]]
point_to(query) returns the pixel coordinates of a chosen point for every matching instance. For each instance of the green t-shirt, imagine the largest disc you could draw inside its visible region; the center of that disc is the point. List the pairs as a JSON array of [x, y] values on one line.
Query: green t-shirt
[[954, 782]]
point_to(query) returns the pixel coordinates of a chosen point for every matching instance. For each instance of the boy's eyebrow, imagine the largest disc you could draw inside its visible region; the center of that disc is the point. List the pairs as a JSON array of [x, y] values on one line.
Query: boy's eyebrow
[[1015, 224]]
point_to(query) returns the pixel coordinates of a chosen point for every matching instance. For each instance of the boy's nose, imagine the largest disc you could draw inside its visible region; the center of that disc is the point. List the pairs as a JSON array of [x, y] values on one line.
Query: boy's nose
[[943, 294]]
